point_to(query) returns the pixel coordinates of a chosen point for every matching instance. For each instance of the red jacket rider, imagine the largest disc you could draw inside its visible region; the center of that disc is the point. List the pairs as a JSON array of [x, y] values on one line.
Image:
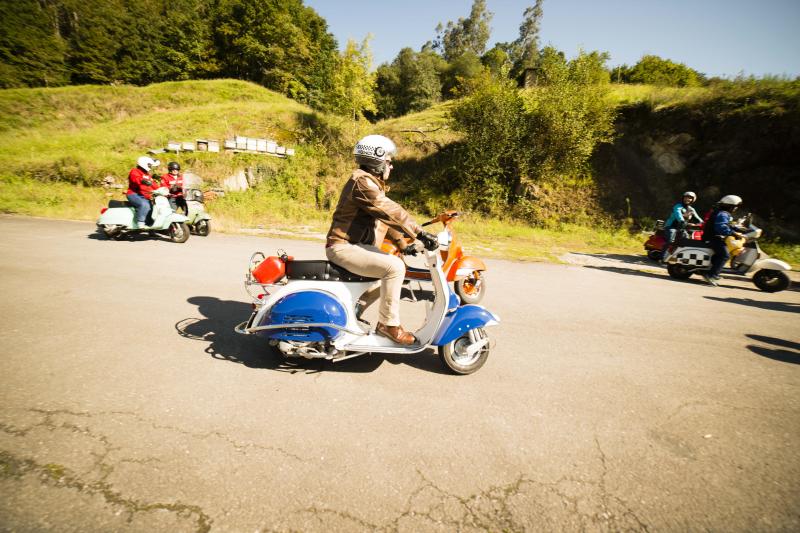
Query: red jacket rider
[[173, 180], [140, 182]]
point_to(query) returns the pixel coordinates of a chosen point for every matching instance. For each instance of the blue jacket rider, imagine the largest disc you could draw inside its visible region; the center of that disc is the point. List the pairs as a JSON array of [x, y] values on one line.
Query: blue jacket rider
[[720, 226]]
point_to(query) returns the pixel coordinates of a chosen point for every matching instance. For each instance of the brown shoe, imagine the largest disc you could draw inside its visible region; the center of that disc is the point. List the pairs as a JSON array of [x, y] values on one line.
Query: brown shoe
[[396, 333]]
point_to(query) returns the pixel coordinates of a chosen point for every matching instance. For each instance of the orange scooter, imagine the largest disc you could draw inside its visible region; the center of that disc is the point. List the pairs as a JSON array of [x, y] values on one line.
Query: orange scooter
[[467, 273]]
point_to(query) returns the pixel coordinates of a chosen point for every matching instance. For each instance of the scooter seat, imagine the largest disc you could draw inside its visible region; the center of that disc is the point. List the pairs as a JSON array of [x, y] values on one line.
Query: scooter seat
[[321, 271], [684, 241], [119, 203]]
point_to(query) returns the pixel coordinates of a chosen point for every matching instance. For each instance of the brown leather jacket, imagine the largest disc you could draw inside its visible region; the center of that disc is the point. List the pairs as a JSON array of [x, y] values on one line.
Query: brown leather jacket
[[364, 213]]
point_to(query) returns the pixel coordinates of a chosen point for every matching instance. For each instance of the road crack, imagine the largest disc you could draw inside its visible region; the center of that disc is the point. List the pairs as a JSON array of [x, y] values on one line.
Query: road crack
[[59, 476]]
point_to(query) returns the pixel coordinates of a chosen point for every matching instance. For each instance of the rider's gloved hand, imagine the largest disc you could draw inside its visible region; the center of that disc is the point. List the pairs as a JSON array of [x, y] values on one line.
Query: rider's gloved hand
[[409, 250], [428, 240]]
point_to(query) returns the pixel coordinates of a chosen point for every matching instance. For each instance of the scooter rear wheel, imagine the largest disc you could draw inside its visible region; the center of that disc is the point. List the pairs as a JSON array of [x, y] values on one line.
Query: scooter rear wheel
[[678, 272], [202, 228], [455, 356], [111, 232]]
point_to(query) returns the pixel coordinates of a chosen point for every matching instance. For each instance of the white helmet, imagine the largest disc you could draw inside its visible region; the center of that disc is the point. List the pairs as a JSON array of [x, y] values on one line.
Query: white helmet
[[731, 200], [147, 163], [690, 194], [372, 152]]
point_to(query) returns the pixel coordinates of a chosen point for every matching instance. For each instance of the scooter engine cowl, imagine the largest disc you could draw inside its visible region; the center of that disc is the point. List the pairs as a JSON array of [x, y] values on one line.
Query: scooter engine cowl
[[306, 307]]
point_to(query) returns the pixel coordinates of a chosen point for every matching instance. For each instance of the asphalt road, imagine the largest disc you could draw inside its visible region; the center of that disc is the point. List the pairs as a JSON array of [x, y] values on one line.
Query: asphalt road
[[614, 398]]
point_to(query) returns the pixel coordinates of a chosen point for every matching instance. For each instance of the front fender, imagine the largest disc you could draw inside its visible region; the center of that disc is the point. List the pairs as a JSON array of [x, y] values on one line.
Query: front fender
[[770, 264], [463, 319], [462, 267]]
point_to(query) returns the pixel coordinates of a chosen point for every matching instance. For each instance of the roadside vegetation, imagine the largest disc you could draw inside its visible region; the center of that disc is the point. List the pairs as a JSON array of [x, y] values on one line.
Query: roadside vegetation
[[543, 150], [101, 130]]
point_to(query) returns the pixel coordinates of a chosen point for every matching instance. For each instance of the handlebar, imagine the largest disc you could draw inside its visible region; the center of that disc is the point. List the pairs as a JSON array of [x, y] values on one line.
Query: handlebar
[[444, 218]]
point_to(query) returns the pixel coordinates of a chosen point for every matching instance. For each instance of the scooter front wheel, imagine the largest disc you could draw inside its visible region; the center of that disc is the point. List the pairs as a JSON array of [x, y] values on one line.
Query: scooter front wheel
[[769, 280], [472, 288], [179, 232], [467, 353], [112, 232]]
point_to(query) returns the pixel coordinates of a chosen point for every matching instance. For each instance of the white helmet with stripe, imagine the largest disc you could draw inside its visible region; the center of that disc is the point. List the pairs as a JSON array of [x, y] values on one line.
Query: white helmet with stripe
[[373, 151]]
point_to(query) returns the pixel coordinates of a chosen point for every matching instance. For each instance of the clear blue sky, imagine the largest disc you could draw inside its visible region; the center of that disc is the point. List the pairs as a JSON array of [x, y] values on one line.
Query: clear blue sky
[[716, 37]]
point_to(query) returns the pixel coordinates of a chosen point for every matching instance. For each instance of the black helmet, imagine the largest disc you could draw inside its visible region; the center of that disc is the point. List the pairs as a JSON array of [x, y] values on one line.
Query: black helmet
[[173, 166]]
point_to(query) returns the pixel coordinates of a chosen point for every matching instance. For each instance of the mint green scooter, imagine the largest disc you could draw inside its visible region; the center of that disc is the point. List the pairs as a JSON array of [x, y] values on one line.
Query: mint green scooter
[[198, 218], [119, 219]]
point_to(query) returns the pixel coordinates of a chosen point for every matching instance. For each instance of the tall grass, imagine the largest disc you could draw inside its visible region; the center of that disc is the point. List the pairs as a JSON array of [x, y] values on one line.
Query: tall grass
[[52, 200], [82, 134]]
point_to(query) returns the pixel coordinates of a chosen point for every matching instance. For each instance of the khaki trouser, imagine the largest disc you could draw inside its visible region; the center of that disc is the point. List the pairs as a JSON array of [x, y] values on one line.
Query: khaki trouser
[[374, 264]]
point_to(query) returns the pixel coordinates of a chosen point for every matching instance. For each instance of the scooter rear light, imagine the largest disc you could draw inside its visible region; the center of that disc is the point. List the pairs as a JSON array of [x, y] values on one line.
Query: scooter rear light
[[260, 297], [103, 210]]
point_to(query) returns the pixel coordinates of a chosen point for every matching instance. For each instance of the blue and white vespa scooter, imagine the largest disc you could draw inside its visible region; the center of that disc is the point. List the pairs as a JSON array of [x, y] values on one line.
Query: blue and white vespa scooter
[[309, 311]]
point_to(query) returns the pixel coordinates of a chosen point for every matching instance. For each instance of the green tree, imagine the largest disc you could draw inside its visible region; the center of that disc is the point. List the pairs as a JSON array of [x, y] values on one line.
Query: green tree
[[497, 61], [410, 83], [467, 34], [524, 52], [652, 69], [568, 113], [184, 35], [280, 44], [516, 141], [32, 52], [491, 159], [353, 83], [94, 30], [460, 72], [388, 89]]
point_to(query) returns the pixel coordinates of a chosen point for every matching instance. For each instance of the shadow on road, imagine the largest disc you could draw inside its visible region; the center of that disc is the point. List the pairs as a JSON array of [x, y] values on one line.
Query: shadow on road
[[644, 273], [787, 351], [787, 307], [629, 259], [221, 316], [628, 271], [130, 237]]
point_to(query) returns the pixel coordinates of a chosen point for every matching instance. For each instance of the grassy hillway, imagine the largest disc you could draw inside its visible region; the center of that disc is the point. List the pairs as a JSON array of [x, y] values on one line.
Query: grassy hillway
[[57, 146]]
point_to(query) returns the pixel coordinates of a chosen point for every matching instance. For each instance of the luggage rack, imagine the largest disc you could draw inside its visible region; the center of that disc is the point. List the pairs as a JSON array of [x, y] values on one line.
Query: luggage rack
[[250, 282]]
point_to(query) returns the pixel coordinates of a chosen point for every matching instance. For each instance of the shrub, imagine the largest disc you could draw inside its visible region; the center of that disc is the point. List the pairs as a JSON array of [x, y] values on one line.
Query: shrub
[[516, 142]]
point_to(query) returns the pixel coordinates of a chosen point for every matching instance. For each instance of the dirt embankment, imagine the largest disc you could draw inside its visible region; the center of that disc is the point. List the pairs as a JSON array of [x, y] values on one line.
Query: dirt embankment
[[747, 146]]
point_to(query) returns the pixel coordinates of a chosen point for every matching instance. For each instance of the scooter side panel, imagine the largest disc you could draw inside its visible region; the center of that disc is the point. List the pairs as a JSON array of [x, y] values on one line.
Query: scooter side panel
[[463, 319], [694, 257], [117, 216], [305, 306]]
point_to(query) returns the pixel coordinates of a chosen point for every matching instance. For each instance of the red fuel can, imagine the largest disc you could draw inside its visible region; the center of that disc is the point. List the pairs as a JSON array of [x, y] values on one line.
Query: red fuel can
[[270, 270]]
